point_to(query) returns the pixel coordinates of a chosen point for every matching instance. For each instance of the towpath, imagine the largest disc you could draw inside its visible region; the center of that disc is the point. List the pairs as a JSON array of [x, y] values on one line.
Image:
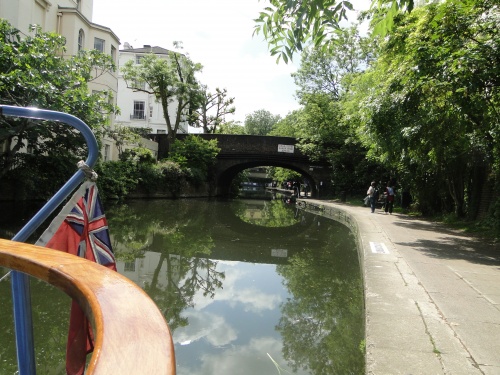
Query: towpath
[[432, 295]]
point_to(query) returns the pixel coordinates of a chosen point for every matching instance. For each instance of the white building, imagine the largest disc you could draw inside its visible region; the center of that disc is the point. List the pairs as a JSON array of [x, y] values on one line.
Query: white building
[[140, 109], [73, 20]]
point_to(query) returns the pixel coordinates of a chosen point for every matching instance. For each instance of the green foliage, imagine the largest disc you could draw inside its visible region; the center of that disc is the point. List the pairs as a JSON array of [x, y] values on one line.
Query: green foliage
[[116, 179], [281, 175], [230, 127], [174, 176], [196, 155], [431, 111], [261, 122], [290, 126], [139, 155], [324, 133], [325, 126], [37, 176], [291, 25], [191, 160], [34, 72], [327, 72]]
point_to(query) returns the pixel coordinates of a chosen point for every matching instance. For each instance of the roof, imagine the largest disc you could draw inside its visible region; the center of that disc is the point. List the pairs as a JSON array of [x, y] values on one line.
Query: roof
[[148, 49]]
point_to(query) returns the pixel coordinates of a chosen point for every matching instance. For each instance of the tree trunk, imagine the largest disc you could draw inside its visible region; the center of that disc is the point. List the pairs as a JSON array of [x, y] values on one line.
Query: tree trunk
[[456, 185]]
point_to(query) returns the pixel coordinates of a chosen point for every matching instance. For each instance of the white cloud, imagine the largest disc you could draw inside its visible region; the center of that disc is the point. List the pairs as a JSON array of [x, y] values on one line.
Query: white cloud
[[217, 34]]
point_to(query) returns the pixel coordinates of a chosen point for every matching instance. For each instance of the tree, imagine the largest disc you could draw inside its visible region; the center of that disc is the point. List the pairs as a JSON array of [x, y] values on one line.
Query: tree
[[322, 126], [290, 25], [171, 80], [212, 110], [34, 72], [289, 126], [260, 122], [432, 107], [231, 127], [326, 72], [282, 175]]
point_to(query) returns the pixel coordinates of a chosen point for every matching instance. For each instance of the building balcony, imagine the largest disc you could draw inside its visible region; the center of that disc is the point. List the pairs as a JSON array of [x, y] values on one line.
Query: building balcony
[[138, 116]]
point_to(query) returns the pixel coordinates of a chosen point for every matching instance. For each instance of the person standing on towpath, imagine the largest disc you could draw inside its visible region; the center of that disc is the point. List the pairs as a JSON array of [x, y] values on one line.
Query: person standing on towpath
[[373, 194]]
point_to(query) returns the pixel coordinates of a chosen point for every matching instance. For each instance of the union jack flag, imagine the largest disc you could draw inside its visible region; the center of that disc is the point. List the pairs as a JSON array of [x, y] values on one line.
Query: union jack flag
[[80, 229]]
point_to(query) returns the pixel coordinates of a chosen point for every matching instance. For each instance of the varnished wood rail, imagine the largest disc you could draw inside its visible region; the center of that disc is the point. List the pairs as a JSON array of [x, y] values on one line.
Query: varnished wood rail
[[131, 334]]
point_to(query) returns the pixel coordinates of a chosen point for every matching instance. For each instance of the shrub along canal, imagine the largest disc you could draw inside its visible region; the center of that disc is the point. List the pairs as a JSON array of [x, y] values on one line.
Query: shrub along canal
[[247, 287]]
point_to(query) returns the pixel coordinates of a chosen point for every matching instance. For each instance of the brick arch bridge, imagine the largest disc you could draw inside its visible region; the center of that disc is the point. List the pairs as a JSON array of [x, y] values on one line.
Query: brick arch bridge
[[240, 152]]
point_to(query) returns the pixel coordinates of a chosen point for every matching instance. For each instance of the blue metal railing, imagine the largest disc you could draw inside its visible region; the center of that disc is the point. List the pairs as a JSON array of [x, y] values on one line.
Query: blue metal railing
[[20, 281]]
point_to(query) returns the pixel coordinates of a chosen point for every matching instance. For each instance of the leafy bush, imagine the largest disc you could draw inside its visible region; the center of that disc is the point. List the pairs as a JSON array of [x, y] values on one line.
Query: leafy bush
[[117, 179], [195, 156], [174, 177], [37, 176], [138, 155]]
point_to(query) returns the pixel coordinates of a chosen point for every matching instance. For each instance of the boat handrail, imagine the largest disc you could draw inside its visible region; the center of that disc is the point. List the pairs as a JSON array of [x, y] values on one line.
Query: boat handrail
[[20, 284], [131, 334]]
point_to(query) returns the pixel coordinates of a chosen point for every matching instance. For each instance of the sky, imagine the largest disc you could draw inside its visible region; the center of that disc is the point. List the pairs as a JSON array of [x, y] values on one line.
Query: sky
[[216, 34]]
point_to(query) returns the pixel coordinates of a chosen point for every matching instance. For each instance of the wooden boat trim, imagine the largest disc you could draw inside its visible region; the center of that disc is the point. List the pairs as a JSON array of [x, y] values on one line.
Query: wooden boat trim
[[131, 334]]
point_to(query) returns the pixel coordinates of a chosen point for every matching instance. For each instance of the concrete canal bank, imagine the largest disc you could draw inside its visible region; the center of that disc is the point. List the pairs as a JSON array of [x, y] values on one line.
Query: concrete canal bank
[[432, 294]]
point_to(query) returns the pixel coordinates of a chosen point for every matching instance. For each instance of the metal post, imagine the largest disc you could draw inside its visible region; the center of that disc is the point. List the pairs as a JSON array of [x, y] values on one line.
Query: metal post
[[20, 282]]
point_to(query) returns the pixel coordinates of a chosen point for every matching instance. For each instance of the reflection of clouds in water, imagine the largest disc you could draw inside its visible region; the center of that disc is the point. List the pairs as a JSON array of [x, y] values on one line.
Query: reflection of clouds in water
[[256, 300], [250, 359], [212, 328], [253, 299]]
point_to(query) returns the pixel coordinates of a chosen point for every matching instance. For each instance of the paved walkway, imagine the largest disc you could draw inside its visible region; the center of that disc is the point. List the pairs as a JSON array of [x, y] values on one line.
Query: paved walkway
[[432, 296]]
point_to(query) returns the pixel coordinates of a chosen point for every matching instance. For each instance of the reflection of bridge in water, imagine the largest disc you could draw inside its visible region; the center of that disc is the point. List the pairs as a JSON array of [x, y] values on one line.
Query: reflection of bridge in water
[[240, 152], [239, 240]]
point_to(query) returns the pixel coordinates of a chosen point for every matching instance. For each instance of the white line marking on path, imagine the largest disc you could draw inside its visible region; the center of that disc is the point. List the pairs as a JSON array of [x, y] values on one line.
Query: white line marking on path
[[379, 248]]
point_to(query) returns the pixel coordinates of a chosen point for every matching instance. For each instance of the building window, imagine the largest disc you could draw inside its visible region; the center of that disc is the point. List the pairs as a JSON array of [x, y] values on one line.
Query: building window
[[150, 111], [113, 53], [139, 85], [99, 44], [81, 40], [129, 266], [138, 58], [139, 110], [159, 131]]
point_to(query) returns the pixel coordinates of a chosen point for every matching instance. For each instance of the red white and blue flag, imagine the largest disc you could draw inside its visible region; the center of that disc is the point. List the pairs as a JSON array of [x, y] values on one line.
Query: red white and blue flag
[[80, 229]]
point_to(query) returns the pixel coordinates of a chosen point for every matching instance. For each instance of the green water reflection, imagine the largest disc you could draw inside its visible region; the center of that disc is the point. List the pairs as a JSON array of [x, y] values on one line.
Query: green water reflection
[[246, 287]]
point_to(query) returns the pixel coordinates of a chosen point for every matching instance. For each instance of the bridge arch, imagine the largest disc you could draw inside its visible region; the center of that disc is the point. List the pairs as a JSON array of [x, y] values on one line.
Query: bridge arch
[[226, 176]]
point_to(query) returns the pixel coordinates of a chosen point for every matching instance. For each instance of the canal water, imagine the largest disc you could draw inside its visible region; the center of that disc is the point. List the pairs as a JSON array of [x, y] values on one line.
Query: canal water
[[247, 287]]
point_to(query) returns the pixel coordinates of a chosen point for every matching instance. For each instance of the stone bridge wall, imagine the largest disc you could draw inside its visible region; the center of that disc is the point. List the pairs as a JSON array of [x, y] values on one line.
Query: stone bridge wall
[[240, 144], [240, 152]]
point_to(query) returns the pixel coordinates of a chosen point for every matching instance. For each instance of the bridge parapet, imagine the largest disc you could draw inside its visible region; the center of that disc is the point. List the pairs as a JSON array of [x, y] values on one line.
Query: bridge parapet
[[240, 144]]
